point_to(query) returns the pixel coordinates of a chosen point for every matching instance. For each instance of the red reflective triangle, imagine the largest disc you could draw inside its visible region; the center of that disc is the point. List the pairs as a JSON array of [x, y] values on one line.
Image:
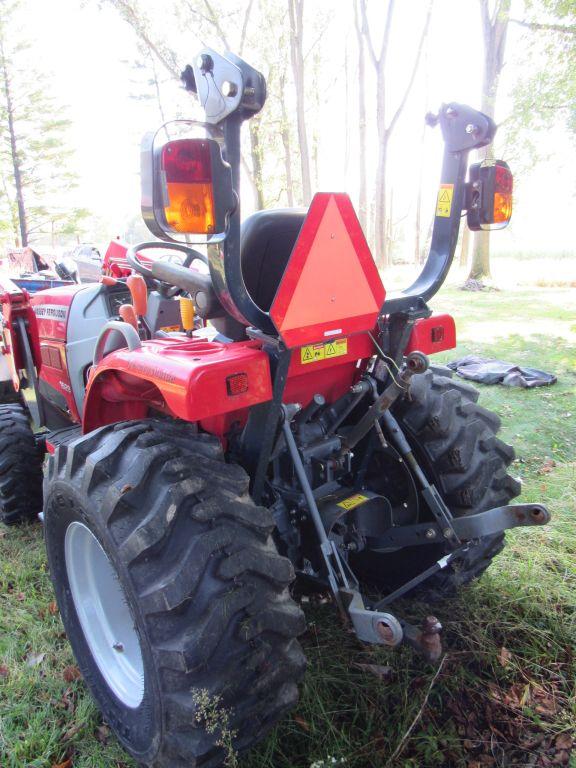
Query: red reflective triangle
[[331, 286]]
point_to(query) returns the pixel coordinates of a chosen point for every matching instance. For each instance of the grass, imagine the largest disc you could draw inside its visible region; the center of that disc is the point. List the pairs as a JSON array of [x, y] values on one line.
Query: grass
[[505, 693]]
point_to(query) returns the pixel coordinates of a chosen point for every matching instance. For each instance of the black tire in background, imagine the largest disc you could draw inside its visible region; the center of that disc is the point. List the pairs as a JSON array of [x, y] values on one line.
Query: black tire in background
[[201, 576], [454, 440], [7, 393], [20, 466]]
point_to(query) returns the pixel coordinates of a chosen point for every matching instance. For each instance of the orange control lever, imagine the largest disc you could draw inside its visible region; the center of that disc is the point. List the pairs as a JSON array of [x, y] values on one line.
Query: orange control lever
[[128, 314], [108, 280], [139, 292]]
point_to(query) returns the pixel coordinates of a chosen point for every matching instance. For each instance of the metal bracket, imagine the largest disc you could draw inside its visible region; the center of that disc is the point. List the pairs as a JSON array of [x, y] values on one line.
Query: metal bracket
[[486, 523], [371, 626], [429, 492]]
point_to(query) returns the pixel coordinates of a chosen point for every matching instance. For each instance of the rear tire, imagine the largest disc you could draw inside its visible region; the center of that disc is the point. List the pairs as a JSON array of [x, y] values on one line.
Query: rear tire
[[454, 440], [204, 588], [20, 467]]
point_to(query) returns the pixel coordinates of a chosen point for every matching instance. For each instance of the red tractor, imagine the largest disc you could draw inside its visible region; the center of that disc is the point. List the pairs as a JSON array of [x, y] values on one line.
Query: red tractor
[[212, 432]]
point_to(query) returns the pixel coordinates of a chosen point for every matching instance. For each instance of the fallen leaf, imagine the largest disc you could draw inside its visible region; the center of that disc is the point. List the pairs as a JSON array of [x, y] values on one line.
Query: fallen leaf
[[504, 657], [379, 670], [563, 741], [3, 671], [68, 699], [21, 597], [102, 733], [65, 764], [544, 701], [71, 673], [547, 467], [33, 659], [53, 608], [562, 757], [71, 732], [301, 722]]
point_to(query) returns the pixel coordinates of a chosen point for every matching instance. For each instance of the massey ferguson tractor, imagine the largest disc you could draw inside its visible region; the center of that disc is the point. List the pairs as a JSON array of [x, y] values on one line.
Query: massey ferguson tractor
[[203, 430]]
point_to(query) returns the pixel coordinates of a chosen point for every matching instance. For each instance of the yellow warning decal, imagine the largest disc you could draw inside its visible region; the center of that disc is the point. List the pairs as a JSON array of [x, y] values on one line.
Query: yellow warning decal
[[170, 328], [313, 353], [444, 202], [352, 501]]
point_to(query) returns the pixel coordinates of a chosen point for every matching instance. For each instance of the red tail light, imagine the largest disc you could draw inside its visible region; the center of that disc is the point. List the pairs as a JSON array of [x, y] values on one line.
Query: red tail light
[[187, 169], [186, 188]]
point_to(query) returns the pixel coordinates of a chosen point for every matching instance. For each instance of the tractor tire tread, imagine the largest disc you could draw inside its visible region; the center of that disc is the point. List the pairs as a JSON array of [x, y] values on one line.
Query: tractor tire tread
[[457, 439], [20, 466], [206, 575]]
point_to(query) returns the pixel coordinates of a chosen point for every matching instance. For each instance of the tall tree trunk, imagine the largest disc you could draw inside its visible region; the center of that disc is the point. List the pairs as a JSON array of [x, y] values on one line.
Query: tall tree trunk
[[296, 12], [385, 129], [464, 245], [363, 191], [285, 133], [494, 30], [256, 152], [380, 217], [157, 87], [16, 164]]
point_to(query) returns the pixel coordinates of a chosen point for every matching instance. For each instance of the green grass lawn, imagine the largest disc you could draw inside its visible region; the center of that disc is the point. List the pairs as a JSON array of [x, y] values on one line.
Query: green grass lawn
[[504, 694]]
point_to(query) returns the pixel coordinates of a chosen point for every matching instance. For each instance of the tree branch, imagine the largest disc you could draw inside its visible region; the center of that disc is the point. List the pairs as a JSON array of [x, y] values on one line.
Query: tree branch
[[213, 18], [537, 27], [386, 35], [414, 69], [366, 33], [245, 27], [166, 57]]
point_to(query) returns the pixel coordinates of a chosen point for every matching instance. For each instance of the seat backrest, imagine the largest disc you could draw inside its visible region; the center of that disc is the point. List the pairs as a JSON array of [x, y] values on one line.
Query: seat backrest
[[267, 240]]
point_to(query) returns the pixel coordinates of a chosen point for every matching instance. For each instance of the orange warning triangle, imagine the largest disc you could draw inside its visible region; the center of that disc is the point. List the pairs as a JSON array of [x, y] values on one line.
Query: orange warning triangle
[[331, 286]]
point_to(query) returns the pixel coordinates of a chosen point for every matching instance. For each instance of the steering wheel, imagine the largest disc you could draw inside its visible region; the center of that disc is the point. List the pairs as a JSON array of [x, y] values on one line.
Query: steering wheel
[[165, 289]]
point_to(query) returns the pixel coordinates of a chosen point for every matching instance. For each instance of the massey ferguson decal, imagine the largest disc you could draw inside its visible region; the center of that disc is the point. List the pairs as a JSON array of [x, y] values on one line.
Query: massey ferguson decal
[[51, 311]]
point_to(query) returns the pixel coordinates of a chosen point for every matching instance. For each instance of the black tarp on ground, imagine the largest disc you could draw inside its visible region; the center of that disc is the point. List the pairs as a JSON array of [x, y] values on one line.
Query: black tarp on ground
[[488, 370]]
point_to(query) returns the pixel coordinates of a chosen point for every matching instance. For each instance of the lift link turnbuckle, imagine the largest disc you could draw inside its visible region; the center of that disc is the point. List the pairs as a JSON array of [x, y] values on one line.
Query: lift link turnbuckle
[[416, 362]]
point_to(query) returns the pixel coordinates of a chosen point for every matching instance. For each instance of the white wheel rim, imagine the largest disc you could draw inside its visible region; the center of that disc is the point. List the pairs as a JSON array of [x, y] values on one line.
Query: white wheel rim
[[104, 614]]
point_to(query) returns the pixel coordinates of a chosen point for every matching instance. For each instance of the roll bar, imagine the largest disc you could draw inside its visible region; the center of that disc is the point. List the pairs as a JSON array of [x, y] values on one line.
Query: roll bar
[[463, 129], [231, 91]]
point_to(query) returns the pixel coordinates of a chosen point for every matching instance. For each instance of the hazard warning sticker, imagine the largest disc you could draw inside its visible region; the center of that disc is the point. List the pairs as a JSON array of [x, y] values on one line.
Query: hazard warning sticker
[[444, 202], [352, 501], [313, 353]]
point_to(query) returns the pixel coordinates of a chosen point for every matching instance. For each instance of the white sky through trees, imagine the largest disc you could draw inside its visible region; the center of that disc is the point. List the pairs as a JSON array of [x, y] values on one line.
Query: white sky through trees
[[86, 47]]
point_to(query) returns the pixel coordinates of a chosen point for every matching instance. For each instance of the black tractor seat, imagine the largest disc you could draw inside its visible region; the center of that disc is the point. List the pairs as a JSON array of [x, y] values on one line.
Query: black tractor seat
[[266, 242], [267, 239]]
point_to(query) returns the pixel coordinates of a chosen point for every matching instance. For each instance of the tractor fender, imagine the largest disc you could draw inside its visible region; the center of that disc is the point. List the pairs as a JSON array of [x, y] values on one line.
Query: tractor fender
[[188, 379]]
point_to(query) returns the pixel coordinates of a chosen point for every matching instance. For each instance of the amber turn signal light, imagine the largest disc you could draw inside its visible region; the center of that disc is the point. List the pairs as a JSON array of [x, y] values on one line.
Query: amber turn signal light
[[489, 196], [186, 188], [189, 203]]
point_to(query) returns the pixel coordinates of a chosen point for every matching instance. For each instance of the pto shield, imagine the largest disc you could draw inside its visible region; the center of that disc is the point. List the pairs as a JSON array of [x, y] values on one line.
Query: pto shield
[[331, 287]]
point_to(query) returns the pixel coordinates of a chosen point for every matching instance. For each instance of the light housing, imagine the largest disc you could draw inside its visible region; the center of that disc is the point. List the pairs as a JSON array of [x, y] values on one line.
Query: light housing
[[489, 196], [186, 188]]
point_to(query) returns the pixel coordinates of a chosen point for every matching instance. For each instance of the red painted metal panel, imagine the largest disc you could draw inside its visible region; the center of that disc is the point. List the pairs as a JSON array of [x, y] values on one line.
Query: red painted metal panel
[[432, 334], [51, 308], [186, 379], [331, 286]]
